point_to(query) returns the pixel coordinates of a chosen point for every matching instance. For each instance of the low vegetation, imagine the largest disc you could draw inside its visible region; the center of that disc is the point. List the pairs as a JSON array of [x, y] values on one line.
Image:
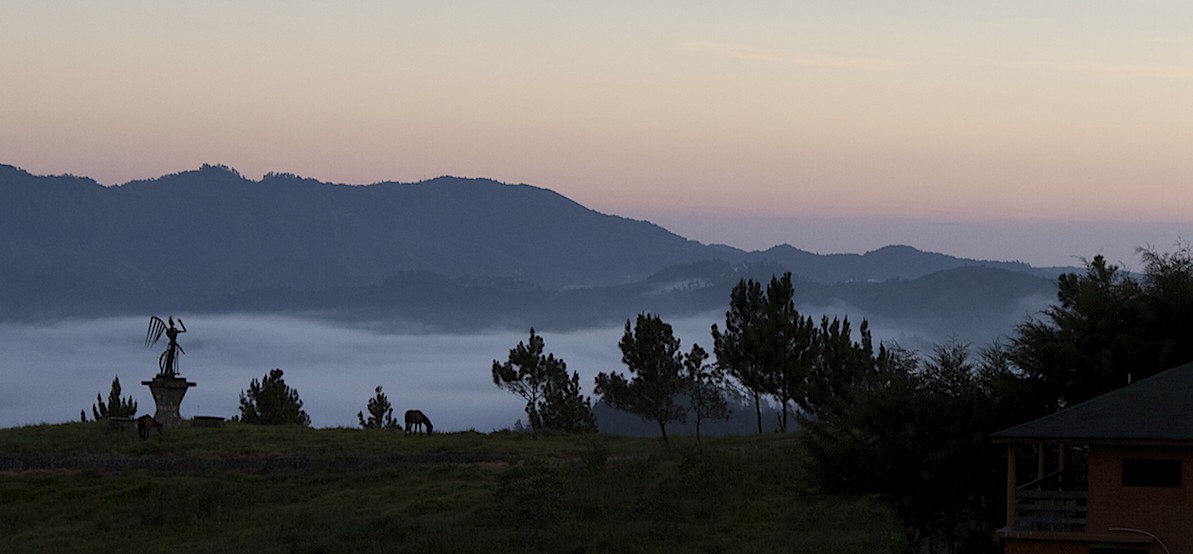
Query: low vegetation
[[115, 407], [381, 413], [290, 488], [271, 401]]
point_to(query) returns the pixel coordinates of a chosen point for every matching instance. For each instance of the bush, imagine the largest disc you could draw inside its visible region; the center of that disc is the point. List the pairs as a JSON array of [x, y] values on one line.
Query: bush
[[271, 402], [116, 407], [381, 413]]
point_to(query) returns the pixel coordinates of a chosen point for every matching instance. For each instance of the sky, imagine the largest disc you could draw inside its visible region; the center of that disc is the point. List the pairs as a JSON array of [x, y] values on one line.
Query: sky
[[1036, 131]]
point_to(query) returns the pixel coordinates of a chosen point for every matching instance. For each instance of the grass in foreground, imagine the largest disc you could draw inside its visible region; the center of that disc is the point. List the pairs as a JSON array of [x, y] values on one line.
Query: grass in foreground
[[361, 490]]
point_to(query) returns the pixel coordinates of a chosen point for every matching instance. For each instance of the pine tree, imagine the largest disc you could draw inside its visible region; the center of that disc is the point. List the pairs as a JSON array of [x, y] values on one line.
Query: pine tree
[[564, 408], [1109, 327], [651, 353], [552, 400], [271, 402], [767, 346], [739, 348], [841, 368], [116, 407], [381, 413], [706, 388], [789, 345]]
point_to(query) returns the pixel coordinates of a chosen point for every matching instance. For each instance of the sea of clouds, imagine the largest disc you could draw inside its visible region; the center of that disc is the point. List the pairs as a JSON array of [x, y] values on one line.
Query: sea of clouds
[[49, 372]]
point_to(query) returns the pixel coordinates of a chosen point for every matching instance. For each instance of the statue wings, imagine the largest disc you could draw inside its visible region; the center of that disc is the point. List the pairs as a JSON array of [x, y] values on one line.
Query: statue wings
[[156, 328]]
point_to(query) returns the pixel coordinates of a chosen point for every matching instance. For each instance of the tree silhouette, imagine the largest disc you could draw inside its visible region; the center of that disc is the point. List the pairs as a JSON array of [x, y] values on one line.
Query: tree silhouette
[[116, 407], [381, 413], [651, 353], [739, 347], [914, 432], [841, 368], [552, 400], [1109, 327], [565, 408], [271, 402], [767, 346], [706, 387], [789, 346]]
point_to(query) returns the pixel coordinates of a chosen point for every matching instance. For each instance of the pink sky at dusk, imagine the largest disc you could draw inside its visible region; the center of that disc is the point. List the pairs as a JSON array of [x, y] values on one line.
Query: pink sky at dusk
[[1039, 131]]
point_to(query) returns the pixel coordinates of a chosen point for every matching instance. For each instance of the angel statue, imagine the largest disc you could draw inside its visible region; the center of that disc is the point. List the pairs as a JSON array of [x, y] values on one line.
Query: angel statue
[[168, 361]]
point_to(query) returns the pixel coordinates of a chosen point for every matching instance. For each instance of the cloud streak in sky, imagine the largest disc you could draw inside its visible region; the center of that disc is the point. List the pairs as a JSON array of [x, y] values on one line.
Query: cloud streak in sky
[[756, 53], [748, 52], [1090, 66], [1132, 71]]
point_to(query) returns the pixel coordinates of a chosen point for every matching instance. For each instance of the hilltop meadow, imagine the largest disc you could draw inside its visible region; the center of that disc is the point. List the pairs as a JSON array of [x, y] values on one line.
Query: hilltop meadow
[[91, 487]]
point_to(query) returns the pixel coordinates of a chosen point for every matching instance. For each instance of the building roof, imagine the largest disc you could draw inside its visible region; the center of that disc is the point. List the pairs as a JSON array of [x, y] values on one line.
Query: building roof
[[1156, 410]]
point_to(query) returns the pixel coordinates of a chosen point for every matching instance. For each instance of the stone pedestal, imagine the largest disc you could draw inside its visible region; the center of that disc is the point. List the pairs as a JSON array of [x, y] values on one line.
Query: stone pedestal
[[167, 394]]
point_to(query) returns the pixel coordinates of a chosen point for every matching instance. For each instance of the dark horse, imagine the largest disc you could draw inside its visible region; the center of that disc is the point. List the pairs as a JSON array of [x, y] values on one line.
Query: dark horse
[[145, 424], [415, 420]]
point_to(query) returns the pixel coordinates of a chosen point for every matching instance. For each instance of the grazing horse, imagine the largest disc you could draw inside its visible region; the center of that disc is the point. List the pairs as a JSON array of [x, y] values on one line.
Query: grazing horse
[[415, 420], [145, 423]]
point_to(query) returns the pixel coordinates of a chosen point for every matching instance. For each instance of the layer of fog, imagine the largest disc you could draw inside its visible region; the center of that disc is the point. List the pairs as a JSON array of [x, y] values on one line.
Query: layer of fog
[[51, 372]]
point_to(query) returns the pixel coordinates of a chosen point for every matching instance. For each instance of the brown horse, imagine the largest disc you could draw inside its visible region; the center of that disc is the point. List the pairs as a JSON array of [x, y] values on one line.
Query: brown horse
[[146, 423], [415, 420]]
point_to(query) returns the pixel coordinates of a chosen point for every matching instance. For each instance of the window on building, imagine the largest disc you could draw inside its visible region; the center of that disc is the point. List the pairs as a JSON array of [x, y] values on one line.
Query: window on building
[[1151, 473]]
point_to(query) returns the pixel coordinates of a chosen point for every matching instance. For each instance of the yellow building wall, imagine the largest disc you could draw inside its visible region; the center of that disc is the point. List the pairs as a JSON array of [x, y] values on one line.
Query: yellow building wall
[[1164, 512]]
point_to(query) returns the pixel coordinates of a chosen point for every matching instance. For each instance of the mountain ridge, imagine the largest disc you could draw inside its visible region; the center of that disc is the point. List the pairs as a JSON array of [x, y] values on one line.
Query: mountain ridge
[[211, 239]]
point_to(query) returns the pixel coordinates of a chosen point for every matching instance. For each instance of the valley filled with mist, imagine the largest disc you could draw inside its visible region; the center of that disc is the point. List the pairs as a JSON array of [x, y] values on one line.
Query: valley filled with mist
[[54, 370], [414, 287]]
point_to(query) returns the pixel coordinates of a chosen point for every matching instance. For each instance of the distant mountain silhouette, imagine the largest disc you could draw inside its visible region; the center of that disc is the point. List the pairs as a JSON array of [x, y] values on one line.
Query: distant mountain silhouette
[[888, 262], [448, 253]]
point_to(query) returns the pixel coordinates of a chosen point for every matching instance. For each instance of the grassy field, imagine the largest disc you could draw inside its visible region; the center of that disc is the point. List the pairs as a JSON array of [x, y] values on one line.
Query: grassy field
[[85, 487]]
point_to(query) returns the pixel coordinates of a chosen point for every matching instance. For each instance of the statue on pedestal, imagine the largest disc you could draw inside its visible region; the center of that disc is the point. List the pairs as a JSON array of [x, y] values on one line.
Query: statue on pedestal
[[168, 361], [167, 386]]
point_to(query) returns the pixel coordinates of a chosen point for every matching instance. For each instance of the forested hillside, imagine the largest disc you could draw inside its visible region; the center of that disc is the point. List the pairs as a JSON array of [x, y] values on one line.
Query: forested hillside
[[445, 254]]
